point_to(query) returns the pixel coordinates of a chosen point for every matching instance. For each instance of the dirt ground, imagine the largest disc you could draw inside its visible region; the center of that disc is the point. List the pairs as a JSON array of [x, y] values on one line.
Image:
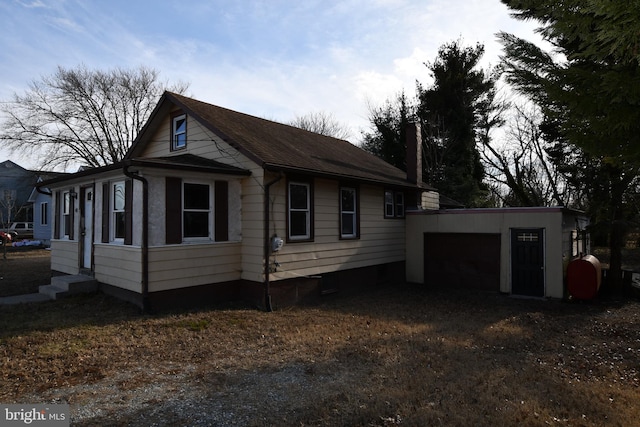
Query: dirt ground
[[400, 355]]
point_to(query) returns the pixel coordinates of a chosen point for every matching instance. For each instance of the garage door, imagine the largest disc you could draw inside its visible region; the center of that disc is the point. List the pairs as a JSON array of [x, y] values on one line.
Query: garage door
[[462, 260]]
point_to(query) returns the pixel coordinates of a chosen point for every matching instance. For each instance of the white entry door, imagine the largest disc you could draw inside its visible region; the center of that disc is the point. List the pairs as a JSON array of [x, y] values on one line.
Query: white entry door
[[87, 233]]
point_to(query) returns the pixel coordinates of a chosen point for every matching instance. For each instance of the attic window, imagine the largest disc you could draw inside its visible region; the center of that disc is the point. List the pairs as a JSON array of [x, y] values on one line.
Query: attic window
[[179, 132]]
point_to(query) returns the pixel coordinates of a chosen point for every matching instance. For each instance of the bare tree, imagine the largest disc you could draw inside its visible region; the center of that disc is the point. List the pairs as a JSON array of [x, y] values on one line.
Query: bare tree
[[7, 205], [322, 123], [83, 116], [519, 170]]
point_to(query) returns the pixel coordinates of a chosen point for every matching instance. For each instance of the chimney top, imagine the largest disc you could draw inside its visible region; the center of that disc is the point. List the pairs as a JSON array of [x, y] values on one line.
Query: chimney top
[[414, 153]]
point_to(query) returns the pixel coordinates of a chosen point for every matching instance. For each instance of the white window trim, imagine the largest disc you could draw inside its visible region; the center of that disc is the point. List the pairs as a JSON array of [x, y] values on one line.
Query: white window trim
[[397, 204], [175, 133], [210, 212], [354, 212], [307, 235], [392, 205], [65, 211], [113, 211], [44, 213]]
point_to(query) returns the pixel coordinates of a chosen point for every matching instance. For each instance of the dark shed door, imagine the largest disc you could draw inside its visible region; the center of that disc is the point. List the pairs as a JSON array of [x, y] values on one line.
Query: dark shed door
[[462, 260], [527, 262]]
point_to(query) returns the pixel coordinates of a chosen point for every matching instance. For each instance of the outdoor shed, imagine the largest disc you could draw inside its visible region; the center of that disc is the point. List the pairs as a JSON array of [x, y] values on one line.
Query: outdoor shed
[[519, 251]]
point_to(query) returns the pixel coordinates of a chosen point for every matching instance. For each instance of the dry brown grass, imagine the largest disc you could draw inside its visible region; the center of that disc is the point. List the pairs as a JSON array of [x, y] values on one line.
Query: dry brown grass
[[401, 355], [23, 270]]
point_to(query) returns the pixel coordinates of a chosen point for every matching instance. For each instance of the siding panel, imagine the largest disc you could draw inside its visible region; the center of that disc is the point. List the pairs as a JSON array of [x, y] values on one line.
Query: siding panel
[[381, 240], [118, 265], [181, 266], [64, 256]]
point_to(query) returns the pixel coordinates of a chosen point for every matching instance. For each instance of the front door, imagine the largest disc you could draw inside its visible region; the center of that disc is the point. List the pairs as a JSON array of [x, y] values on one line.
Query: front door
[[527, 262], [87, 231]]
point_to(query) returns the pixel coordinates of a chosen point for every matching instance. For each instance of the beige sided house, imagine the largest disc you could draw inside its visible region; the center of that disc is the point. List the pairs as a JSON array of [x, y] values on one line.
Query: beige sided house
[[211, 204]]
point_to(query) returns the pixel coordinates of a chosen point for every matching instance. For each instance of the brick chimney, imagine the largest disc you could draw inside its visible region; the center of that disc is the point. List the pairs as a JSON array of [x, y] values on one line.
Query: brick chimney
[[414, 153]]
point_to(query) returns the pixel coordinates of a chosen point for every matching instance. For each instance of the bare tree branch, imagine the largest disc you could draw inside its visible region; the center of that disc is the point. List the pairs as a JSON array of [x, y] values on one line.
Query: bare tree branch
[[82, 116], [322, 123], [520, 169]]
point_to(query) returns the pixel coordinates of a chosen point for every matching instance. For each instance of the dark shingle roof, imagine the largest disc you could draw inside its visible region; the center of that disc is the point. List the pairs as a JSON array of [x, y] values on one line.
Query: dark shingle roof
[[276, 146], [188, 162]]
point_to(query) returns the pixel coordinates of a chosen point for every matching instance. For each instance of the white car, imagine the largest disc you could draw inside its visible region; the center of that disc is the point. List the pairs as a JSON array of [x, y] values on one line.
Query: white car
[[24, 229]]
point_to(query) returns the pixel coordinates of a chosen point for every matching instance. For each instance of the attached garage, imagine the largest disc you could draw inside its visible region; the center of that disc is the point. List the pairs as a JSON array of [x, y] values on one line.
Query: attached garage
[[520, 251], [454, 260]]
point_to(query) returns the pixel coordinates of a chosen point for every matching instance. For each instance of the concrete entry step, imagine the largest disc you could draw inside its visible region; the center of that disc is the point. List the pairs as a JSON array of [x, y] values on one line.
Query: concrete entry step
[[65, 285]]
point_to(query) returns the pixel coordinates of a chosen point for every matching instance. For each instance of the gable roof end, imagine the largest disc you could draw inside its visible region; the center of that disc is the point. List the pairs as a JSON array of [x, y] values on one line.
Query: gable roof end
[[279, 147]]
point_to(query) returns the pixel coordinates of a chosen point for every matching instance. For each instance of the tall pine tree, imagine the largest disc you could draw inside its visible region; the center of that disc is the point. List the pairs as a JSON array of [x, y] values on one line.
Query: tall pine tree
[[387, 136], [589, 91], [451, 111]]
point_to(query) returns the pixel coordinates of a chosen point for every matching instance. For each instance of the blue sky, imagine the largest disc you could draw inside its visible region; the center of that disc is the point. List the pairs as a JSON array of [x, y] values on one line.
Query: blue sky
[[271, 58]]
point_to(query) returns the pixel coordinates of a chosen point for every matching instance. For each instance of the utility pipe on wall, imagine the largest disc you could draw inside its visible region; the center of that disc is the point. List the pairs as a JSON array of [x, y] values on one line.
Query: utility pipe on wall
[[145, 233], [267, 242]]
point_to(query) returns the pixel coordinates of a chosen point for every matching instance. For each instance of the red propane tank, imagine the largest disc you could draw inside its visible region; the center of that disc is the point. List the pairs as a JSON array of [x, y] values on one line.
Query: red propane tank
[[583, 277]]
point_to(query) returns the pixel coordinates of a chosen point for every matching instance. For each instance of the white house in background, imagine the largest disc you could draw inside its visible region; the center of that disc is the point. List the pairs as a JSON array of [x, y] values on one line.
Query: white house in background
[[212, 204]]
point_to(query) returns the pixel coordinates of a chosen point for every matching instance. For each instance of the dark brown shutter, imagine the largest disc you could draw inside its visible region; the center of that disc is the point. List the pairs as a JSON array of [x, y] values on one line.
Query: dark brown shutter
[[56, 216], [105, 212], [221, 214], [72, 208], [174, 210], [128, 212]]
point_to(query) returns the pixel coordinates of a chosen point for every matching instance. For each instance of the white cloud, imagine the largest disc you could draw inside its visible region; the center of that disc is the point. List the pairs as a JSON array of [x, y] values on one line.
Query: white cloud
[[412, 68], [271, 59], [33, 4], [376, 87]]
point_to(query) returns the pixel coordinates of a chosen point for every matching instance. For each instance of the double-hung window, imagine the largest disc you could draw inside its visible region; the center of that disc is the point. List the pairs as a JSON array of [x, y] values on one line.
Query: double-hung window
[[179, 132], [393, 204], [63, 215], [66, 214], [388, 204], [44, 213], [117, 210], [196, 212], [300, 211], [348, 213], [399, 198]]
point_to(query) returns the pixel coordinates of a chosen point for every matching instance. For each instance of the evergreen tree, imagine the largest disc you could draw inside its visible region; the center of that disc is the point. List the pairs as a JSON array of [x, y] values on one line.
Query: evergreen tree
[[589, 90], [387, 136], [452, 111]]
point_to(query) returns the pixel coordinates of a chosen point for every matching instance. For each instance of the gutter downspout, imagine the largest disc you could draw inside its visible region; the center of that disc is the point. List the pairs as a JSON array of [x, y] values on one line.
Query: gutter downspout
[[145, 233], [267, 243]]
